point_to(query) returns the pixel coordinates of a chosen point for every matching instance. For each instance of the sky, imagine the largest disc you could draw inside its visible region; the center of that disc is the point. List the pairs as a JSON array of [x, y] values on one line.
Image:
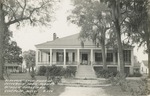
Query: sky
[[27, 37]]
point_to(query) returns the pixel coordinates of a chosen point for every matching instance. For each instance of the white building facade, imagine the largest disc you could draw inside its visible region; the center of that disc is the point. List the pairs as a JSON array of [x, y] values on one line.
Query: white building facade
[[68, 51], [144, 67]]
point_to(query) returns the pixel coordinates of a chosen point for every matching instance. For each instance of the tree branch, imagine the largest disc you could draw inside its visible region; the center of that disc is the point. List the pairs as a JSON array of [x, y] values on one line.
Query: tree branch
[[17, 20], [22, 18], [22, 14]]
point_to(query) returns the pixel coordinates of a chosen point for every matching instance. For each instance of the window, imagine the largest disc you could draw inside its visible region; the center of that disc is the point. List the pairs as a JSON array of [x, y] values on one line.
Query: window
[[59, 57], [67, 57], [109, 57], [98, 57], [73, 56], [127, 56], [48, 57], [116, 55]]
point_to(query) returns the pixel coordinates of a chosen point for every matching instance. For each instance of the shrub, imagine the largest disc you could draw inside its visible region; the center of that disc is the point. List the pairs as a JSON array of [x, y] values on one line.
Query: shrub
[[29, 88], [136, 75], [42, 70], [70, 71], [105, 73], [54, 73], [140, 88]]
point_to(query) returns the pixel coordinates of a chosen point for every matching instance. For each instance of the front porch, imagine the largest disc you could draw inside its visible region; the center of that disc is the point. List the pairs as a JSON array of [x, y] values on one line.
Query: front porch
[[76, 57]]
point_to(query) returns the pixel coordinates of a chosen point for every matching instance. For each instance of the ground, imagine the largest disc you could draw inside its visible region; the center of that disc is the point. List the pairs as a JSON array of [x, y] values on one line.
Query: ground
[[62, 90], [95, 91]]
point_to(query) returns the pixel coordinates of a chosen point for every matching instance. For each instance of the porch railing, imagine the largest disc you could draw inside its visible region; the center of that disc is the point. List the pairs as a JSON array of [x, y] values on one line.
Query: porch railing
[[57, 63], [109, 63]]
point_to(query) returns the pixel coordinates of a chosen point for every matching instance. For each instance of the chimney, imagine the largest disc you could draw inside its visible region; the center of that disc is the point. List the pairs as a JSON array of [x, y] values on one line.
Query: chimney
[[54, 36]]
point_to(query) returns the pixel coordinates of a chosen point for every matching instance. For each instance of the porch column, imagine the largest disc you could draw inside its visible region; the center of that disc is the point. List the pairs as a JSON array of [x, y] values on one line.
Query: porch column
[[78, 56], [114, 58], [91, 56], [132, 62], [41, 57], [50, 57], [64, 57], [36, 56]]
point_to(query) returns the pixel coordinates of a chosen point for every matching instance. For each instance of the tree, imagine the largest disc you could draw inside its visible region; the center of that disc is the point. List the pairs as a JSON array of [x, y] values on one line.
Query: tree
[[139, 26], [13, 53], [94, 21], [29, 57], [121, 11], [21, 12]]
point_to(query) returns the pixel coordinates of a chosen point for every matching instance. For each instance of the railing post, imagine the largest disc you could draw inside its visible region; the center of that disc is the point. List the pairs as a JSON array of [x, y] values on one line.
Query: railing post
[[64, 58]]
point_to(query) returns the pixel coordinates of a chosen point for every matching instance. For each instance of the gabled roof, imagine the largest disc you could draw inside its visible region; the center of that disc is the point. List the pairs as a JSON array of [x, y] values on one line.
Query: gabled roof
[[69, 41], [145, 62]]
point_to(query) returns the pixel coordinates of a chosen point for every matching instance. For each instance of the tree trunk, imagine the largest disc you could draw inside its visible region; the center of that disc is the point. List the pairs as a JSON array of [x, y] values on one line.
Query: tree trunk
[[148, 62], [29, 69], [2, 24], [117, 16], [32, 68], [120, 50], [104, 57], [103, 50], [148, 49]]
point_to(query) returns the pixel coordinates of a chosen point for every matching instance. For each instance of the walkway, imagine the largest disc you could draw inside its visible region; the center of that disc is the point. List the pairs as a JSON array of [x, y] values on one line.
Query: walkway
[[93, 91]]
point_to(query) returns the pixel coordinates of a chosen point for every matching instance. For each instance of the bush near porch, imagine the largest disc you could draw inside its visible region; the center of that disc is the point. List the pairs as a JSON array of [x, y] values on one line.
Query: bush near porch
[[100, 72], [113, 71], [69, 71]]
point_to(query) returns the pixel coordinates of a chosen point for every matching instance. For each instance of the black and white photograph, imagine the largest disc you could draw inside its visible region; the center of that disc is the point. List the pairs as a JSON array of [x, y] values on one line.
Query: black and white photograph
[[74, 47]]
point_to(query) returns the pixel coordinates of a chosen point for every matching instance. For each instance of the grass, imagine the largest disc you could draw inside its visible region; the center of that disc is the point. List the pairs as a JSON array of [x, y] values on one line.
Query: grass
[[115, 91], [57, 89]]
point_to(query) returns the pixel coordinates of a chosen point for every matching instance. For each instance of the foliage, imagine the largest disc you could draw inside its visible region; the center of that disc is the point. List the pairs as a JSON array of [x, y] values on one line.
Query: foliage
[[29, 88], [70, 71], [139, 26], [21, 12], [136, 75], [136, 87], [29, 57], [94, 21], [48, 85], [28, 11], [141, 88], [42, 71], [54, 73], [120, 79], [13, 53], [105, 73]]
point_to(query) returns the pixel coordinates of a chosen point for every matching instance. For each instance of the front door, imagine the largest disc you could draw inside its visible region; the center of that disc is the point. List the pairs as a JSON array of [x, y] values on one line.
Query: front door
[[84, 58]]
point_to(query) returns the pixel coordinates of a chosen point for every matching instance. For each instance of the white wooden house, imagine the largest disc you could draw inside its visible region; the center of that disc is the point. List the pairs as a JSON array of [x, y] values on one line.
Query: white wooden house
[[68, 51]]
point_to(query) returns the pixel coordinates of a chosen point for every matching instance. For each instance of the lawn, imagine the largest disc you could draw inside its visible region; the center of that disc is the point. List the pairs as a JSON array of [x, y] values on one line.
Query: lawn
[[61, 90], [57, 89]]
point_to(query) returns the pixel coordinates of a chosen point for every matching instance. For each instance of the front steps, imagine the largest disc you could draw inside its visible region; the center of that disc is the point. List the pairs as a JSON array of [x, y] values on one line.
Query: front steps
[[73, 82], [85, 72]]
